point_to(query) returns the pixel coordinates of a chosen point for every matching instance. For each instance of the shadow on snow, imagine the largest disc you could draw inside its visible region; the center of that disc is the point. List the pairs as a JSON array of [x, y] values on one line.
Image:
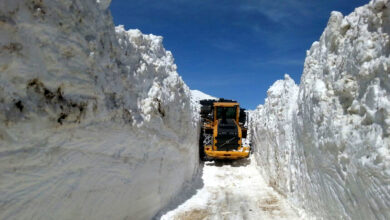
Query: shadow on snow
[[189, 189]]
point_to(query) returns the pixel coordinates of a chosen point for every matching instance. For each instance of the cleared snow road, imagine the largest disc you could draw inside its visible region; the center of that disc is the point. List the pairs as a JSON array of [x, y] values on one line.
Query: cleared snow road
[[234, 190]]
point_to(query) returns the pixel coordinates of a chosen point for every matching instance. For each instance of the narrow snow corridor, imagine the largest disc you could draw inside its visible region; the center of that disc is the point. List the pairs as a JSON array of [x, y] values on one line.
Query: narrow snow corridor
[[234, 190]]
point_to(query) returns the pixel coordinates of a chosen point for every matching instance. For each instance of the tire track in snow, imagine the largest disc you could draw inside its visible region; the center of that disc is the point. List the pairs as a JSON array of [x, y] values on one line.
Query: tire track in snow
[[234, 190]]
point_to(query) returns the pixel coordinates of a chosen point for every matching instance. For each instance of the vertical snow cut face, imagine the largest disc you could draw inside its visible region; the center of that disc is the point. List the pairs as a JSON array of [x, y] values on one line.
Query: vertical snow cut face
[[329, 140], [95, 122], [271, 132]]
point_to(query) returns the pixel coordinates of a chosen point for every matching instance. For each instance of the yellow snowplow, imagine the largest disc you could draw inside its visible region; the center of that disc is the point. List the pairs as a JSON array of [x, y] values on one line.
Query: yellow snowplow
[[223, 129]]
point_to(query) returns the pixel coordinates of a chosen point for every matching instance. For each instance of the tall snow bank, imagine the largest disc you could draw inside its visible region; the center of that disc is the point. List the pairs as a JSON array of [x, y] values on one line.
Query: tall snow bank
[[95, 122], [326, 145], [271, 132]]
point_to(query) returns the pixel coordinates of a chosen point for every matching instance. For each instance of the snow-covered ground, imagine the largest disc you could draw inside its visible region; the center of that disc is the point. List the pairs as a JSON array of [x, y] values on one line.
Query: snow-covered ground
[[234, 190], [325, 144], [94, 119]]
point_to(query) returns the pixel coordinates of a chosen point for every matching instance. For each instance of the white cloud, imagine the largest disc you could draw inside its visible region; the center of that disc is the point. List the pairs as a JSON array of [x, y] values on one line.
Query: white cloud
[[282, 11]]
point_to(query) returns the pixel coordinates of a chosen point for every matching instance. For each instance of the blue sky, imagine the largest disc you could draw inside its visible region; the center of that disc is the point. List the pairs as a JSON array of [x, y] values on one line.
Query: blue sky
[[234, 49]]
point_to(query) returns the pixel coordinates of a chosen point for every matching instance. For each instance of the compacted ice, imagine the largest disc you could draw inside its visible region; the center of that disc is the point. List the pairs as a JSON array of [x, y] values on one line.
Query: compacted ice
[[94, 120], [325, 143]]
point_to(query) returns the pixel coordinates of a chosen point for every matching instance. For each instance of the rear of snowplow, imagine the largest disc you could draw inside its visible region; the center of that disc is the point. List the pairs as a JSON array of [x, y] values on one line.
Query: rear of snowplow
[[222, 131]]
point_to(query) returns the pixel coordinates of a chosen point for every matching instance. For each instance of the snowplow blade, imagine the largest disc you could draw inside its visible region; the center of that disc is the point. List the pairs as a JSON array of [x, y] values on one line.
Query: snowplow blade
[[233, 155]]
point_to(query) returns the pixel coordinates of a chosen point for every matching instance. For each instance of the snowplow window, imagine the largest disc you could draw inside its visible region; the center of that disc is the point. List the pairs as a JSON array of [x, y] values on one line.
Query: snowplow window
[[228, 112]]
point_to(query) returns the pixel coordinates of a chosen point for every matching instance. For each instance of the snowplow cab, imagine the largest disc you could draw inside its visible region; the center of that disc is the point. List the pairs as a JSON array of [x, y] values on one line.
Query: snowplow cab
[[223, 129]]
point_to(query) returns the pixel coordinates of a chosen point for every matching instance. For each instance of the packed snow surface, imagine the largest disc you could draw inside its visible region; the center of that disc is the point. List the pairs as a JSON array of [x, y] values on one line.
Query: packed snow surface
[[325, 144], [95, 122], [234, 190]]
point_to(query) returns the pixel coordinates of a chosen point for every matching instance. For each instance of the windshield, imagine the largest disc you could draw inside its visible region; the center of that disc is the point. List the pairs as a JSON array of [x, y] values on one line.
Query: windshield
[[226, 112]]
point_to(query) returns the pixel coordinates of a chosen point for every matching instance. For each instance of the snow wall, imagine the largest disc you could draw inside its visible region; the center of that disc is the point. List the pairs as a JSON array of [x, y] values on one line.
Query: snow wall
[[95, 122], [325, 143]]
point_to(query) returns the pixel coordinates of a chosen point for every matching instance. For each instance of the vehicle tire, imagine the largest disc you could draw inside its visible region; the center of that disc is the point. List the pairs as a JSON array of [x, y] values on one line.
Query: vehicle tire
[[202, 155], [242, 118]]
